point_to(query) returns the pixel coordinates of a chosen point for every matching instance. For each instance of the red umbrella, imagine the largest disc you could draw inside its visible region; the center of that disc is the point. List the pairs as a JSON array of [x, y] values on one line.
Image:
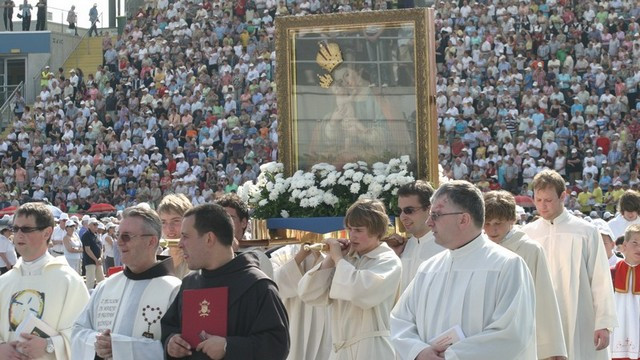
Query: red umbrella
[[100, 208], [8, 210], [524, 201]]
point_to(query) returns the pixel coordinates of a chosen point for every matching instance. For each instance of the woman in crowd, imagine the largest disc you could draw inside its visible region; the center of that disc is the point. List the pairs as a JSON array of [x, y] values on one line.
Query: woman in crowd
[[73, 247]]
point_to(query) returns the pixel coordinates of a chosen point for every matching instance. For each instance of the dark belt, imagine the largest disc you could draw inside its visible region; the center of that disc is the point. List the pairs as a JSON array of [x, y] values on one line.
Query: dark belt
[[57, 252]]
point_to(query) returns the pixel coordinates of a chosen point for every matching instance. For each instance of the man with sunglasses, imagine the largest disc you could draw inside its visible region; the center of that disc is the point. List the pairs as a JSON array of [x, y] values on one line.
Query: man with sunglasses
[[91, 256], [476, 285], [40, 284], [414, 201], [122, 320]]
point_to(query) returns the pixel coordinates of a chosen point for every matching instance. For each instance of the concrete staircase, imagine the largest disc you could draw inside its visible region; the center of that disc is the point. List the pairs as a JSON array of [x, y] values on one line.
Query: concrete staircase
[[87, 56]]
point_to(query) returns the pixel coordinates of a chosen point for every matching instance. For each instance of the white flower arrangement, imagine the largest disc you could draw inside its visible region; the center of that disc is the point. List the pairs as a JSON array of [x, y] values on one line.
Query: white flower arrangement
[[324, 191]]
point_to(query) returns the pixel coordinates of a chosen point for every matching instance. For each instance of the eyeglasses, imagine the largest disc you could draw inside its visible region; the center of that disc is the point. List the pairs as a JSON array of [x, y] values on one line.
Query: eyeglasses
[[26, 229], [435, 216], [127, 237], [409, 210]]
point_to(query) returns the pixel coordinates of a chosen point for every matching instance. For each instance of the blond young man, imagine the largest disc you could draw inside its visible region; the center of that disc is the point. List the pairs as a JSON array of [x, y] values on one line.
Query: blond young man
[[579, 270], [171, 210]]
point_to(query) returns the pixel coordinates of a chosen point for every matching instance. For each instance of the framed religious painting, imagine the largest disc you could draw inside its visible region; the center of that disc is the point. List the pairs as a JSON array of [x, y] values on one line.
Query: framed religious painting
[[357, 87]]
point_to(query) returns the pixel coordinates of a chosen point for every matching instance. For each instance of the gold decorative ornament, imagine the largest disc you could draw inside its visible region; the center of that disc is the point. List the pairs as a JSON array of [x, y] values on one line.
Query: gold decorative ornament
[[329, 56], [325, 80], [204, 308]]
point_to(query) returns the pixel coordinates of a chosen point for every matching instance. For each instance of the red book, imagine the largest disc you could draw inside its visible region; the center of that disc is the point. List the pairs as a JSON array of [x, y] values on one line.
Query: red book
[[204, 309]]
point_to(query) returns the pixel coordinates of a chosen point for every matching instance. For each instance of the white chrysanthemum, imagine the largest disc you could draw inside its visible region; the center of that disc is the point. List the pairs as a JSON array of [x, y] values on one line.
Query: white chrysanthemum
[[314, 201], [284, 214], [304, 203], [263, 202], [405, 159], [348, 174], [367, 179], [358, 176], [329, 199], [355, 188]]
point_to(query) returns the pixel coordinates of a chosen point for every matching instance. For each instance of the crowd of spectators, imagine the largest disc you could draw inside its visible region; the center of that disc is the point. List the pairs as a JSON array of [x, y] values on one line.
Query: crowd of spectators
[[185, 102]]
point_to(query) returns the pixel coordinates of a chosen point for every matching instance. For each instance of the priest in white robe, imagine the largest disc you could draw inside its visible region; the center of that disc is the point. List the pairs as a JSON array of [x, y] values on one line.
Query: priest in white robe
[[476, 285], [500, 216], [628, 211], [122, 319], [414, 202], [308, 325], [38, 284], [625, 339], [579, 270]]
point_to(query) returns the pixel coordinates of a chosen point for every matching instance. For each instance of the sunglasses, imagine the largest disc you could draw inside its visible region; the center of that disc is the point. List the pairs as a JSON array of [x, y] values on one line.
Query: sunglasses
[[26, 229], [128, 237], [409, 210]]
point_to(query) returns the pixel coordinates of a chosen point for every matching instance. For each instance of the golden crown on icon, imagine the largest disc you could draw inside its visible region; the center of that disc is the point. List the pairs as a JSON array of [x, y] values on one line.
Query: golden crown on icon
[[325, 80], [329, 56]]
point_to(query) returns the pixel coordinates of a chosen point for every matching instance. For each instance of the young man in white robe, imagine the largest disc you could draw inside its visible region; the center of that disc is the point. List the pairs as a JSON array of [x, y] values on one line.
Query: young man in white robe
[[625, 339], [500, 216], [414, 202], [360, 280], [122, 320], [309, 325], [239, 212], [40, 284], [483, 288], [628, 210], [170, 210], [579, 270]]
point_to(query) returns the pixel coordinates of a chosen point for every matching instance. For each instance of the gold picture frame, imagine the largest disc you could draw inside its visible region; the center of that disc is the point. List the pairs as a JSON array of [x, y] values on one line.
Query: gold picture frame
[[357, 86]]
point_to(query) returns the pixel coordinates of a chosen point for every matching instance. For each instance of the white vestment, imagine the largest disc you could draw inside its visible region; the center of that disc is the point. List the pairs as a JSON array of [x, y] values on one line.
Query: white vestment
[[415, 253], [47, 287], [619, 224], [308, 325], [361, 291], [482, 287], [131, 306], [549, 336], [625, 339], [581, 279]]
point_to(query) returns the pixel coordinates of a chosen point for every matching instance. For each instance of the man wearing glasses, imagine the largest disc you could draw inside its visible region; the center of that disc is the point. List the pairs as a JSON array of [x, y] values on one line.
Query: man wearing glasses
[[122, 320], [579, 270], [91, 257], [476, 285], [414, 201], [40, 284]]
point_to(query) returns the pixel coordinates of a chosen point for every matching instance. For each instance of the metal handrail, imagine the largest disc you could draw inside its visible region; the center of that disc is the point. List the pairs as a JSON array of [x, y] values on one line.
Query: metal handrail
[[7, 105]]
